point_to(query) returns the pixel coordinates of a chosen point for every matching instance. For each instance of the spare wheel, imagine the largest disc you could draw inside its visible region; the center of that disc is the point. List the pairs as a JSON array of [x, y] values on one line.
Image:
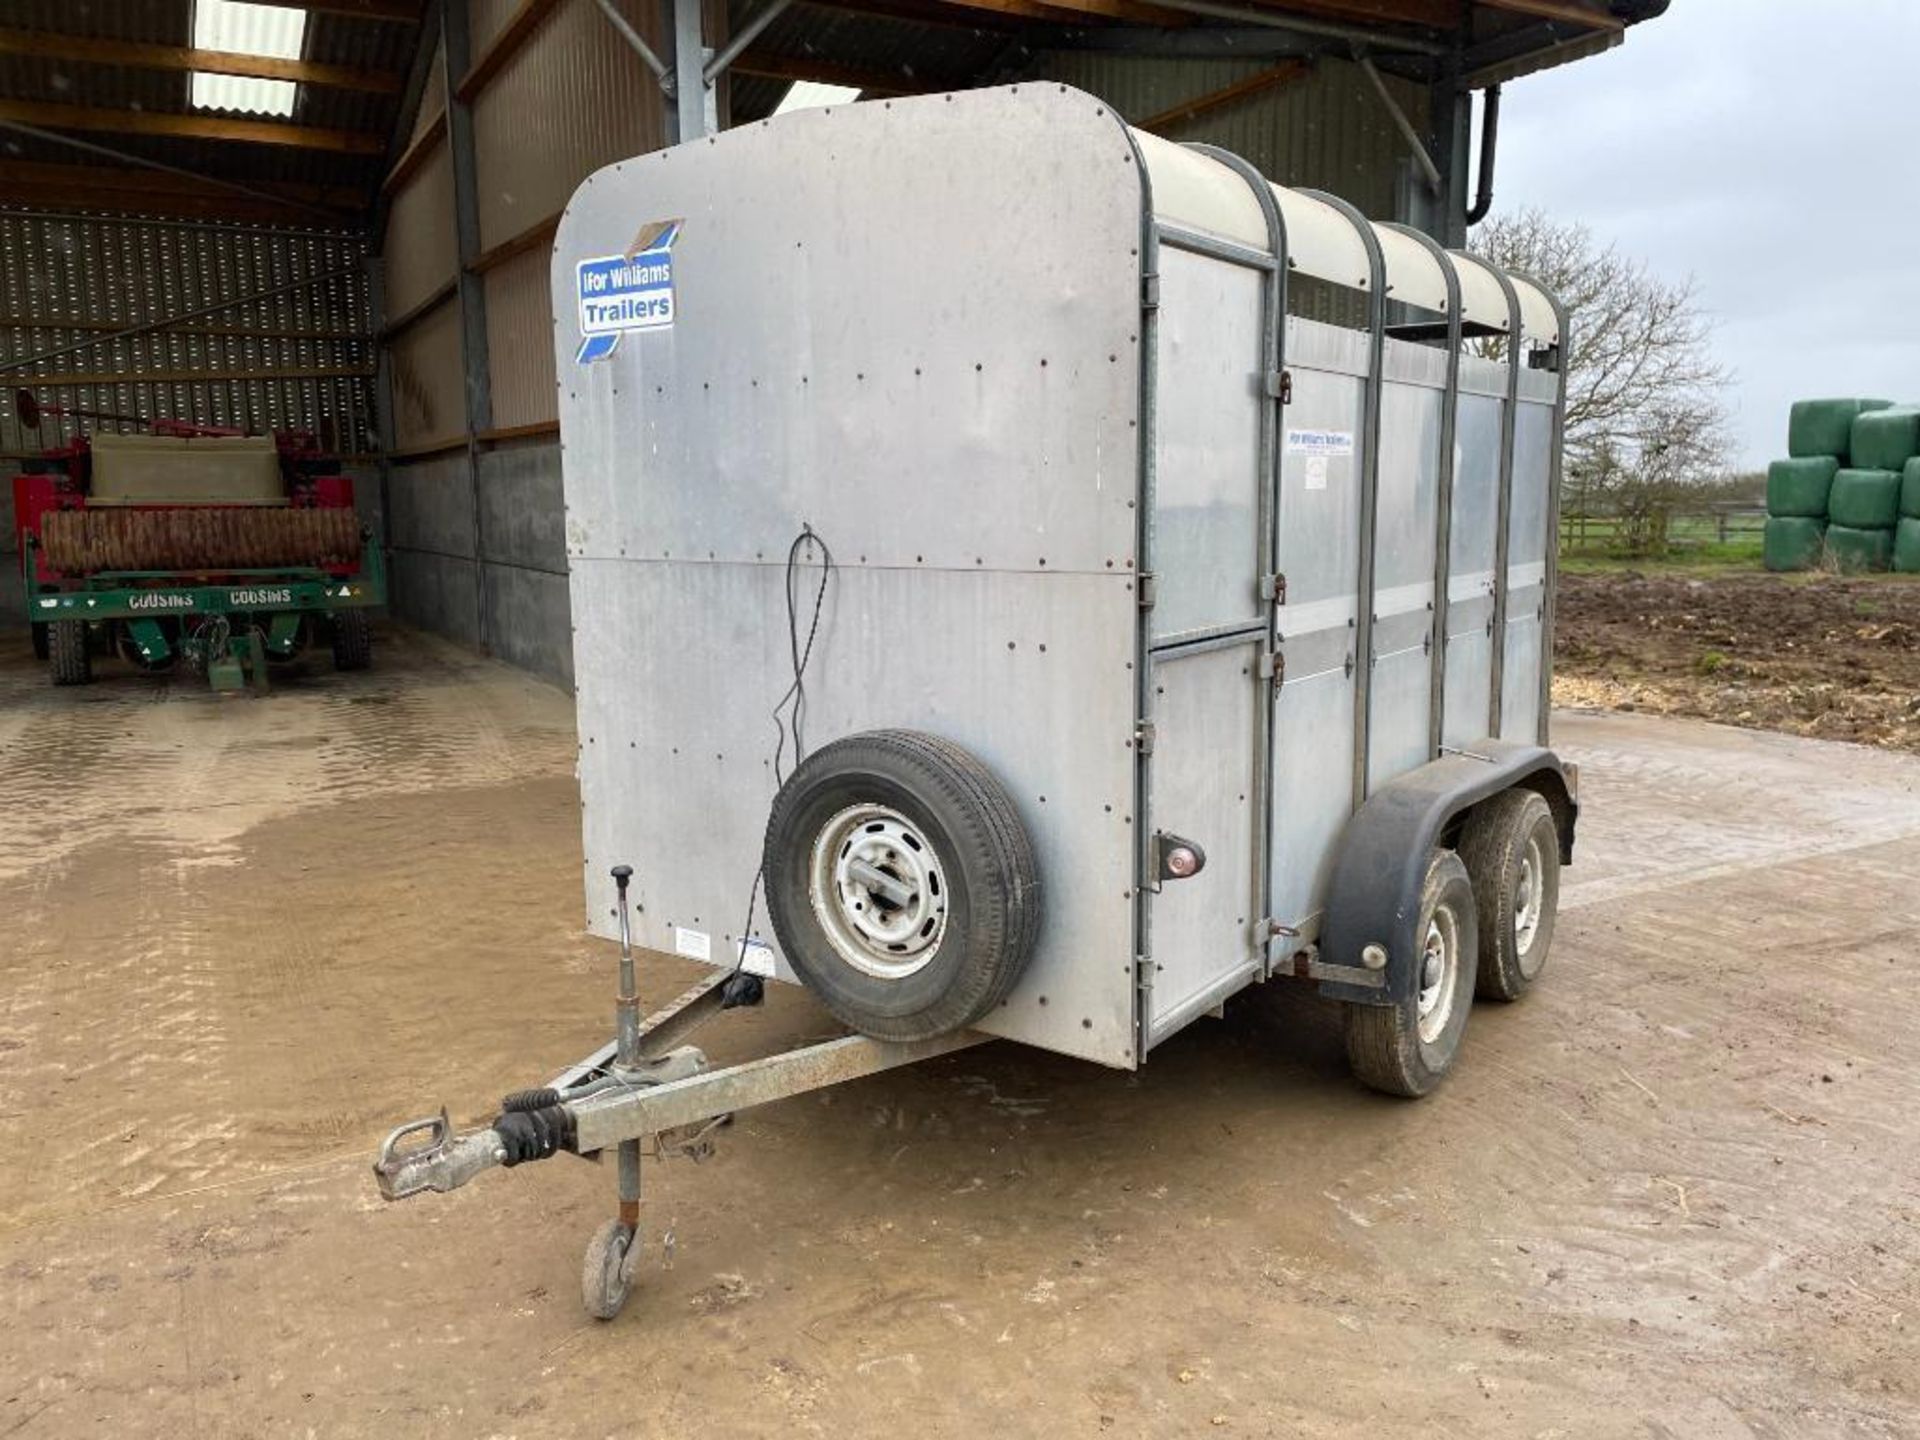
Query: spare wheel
[[901, 883]]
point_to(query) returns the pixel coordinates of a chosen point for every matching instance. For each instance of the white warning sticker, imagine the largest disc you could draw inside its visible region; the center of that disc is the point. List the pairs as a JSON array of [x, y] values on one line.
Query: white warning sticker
[[1319, 447], [1320, 442], [756, 958], [694, 944]]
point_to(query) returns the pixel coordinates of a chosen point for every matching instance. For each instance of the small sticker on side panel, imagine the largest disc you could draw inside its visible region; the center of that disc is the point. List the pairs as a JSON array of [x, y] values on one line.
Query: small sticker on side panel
[[694, 944], [1319, 447]]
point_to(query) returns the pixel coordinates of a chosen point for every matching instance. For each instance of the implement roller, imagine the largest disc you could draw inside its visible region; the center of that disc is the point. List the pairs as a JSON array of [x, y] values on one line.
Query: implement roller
[[231, 550]]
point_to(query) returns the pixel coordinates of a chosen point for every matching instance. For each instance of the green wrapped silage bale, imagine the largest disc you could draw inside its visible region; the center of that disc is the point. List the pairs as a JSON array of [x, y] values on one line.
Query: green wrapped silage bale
[[1825, 427], [1793, 542], [1906, 547], [1853, 549], [1885, 439], [1864, 499], [1799, 487], [1910, 490]]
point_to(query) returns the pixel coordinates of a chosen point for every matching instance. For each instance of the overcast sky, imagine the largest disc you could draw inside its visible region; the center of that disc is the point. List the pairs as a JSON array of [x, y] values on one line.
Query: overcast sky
[[1770, 148]]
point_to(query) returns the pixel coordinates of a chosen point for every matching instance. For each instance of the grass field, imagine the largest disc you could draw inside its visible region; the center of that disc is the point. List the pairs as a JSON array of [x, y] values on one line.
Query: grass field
[[1695, 543]]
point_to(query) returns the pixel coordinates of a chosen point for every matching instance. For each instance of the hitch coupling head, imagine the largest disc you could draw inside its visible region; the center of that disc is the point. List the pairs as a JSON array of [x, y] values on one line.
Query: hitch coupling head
[[441, 1161]]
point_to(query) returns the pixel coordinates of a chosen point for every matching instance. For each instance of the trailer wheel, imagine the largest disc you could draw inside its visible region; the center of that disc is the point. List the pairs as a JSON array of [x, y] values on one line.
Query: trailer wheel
[[352, 640], [901, 883], [71, 661], [1408, 1047], [607, 1275], [1511, 847]]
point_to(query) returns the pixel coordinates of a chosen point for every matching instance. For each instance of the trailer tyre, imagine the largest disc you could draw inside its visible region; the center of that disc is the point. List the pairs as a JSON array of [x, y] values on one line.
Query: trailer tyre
[[901, 883], [352, 640], [67, 652], [1511, 847], [1408, 1047]]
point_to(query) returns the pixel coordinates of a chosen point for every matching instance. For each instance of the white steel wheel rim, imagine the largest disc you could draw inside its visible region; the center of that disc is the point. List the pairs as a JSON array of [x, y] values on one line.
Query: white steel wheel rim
[[879, 892], [1439, 977], [1529, 899]]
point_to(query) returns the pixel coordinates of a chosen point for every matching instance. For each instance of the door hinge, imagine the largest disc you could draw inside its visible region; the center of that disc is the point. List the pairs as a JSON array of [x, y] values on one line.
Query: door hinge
[[1148, 589], [1280, 386], [1149, 292], [1143, 968], [1273, 667], [1143, 737], [1274, 588]]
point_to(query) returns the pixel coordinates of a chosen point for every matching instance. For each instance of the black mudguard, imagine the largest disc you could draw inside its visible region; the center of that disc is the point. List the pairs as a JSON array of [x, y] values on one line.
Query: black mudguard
[[1374, 897]]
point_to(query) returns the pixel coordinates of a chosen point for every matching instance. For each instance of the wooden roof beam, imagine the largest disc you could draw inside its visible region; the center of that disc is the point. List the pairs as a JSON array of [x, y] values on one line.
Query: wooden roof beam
[[85, 50], [1069, 10], [1572, 12], [416, 153], [766, 65], [191, 127], [402, 10], [1285, 73], [1427, 14]]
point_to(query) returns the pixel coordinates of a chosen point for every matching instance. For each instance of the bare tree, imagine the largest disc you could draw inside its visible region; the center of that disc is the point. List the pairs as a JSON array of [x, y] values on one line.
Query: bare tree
[[1646, 415]]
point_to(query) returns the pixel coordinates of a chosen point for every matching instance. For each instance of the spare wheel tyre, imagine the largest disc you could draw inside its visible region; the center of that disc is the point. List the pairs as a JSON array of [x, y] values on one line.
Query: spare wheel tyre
[[901, 883]]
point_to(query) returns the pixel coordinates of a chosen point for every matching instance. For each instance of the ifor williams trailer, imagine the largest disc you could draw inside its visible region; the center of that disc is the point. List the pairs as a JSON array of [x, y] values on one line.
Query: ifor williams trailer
[[1163, 558]]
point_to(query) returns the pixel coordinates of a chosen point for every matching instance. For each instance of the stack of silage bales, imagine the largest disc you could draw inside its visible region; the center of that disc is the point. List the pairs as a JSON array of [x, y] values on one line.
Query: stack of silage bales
[[1851, 477], [1906, 537]]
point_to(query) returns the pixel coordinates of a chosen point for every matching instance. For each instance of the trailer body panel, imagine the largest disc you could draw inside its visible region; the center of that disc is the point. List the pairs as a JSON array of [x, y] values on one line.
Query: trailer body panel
[[1171, 559]]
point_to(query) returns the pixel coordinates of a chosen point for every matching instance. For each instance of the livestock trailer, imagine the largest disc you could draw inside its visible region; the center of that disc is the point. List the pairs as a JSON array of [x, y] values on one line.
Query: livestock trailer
[[229, 550], [1063, 577]]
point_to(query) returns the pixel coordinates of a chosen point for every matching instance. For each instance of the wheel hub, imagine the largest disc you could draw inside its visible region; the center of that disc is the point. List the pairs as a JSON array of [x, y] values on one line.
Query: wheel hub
[[878, 891], [1528, 897], [1439, 976]]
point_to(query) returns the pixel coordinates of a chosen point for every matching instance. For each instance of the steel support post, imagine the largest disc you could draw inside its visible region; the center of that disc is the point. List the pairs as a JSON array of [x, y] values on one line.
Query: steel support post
[[1450, 132], [694, 102], [471, 292]]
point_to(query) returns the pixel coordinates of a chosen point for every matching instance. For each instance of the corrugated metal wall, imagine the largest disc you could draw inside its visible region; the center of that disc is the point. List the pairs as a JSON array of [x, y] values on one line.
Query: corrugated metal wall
[[433, 99], [303, 359], [572, 99], [488, 19], [520, 340], [475, 537], [420, 249], [1328, 130], [429, 382]]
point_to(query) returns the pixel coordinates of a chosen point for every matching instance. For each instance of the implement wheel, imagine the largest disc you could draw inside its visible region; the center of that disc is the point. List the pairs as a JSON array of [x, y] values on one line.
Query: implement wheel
[[1512, 852], [352, 640], [1408, 1047], [901, 883], [67, 653], [606, 1278]]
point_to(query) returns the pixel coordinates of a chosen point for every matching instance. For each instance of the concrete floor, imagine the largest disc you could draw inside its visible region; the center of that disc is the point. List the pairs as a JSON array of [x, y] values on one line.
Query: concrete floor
[[1675, 1194]]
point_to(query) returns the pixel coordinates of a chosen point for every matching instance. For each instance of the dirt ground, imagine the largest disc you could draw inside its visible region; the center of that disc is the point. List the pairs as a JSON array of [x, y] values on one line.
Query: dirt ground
[[1809, 655], [1676, 1193]]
